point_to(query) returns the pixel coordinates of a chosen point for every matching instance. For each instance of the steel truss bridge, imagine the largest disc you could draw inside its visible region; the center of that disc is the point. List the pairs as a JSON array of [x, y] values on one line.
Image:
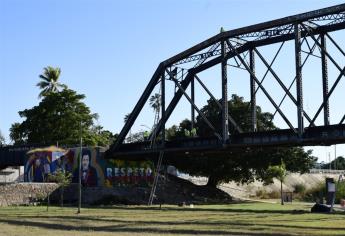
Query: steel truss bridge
[[237, 45]]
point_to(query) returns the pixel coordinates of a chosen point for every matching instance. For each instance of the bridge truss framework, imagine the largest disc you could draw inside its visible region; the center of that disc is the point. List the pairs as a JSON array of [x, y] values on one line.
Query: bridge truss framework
[[239, 44]]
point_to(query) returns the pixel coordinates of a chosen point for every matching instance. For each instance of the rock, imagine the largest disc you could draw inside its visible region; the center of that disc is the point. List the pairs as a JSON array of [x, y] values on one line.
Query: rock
[[320, 208]]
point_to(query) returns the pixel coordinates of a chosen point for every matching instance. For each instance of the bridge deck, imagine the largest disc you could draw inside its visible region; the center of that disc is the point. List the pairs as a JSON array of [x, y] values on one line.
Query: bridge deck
[[313, 136]]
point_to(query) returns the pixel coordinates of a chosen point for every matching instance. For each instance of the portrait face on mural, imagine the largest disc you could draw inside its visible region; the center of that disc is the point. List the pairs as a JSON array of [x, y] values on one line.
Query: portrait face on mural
[[85, 161], [37, 162]]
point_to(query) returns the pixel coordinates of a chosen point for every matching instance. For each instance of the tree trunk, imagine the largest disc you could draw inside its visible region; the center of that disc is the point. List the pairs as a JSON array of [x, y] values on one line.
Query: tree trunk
[[61, 196], [48, 201], [281, 192], [212, 181]]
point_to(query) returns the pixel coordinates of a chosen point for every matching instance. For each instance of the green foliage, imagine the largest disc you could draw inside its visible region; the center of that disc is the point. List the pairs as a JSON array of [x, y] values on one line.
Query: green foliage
[[338, 163], [60, 117], [299, 188], [276, 171], [61, 177], [182, 131], [318, 192], [315, 194], [239, 110], [50, 81], [263, 194], [244, 165]]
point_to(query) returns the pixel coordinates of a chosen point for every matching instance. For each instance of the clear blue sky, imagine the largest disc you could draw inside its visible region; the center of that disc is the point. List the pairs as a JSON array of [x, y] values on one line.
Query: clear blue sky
[[108, 50]]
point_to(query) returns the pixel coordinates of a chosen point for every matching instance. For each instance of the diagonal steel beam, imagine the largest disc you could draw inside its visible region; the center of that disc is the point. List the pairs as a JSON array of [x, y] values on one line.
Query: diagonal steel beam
[[184, 85], [138, 107], [320, 46], [342, 120], [286, 90], [335, 44], [197, 109], [231, 119], [264, 90], [293, 81], [342, 73], [326, 98]]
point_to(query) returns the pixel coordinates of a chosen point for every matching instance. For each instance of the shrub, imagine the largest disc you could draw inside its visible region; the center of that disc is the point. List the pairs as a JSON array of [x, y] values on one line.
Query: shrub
[[299, 188], [263, 194], [315, 194], [340, 192]]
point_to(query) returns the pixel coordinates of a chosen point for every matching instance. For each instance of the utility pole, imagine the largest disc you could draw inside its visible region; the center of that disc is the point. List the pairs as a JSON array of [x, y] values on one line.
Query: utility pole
[[79, 168], [335, 156]]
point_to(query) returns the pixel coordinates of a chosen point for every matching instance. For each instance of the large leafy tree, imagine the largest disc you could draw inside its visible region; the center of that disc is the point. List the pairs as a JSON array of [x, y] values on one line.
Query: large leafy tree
[[60, 117], [338, 163], [241, 165], [49, 82]]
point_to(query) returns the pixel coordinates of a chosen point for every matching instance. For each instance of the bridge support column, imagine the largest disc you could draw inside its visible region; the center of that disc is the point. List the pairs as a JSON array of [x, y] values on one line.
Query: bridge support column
[[324, 79], [192, 114], [299, 80], [163, 107], [225, 108], [252, 90]]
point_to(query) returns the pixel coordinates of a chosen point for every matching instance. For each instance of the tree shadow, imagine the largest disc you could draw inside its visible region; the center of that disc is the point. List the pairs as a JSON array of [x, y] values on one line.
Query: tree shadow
[[125, 229], [186, 209], [190, 222]]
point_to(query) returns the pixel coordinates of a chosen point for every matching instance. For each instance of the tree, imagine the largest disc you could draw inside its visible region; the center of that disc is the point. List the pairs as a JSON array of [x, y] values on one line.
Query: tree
[[278, 172], [50, 81], [338, 163], [241, 165], [2, 140], [59, 117], [183, 130], [63, 179], [155, 103], [125, 119]]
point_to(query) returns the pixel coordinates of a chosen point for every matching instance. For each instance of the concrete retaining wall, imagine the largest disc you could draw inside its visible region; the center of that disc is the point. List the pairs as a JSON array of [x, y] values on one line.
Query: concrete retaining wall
[[24, 193]]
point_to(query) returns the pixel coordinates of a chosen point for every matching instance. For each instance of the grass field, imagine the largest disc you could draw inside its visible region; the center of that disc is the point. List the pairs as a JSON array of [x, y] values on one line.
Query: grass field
[[234, 219]]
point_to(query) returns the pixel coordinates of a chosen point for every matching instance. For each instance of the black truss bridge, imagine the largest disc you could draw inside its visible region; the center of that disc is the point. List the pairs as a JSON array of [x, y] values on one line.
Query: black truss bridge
[[309, 33]]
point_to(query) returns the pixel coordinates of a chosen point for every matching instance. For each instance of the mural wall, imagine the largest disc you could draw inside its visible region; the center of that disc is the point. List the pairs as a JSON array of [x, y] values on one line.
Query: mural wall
[[95, 170]]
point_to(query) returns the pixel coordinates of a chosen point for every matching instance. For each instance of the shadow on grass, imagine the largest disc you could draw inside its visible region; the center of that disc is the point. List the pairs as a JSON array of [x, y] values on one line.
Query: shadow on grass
[[186, 209], [200, 222], [125, 229], [119, 225], [116, 224]]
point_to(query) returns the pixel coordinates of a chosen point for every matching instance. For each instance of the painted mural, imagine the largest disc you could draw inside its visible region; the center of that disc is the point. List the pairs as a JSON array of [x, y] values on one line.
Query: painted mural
[[94, 171], [41, 163]]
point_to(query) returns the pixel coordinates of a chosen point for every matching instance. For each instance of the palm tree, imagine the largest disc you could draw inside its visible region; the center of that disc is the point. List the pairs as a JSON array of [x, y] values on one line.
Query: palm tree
[[155, 103], [50, 81], [2, 139], [125, 119]]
